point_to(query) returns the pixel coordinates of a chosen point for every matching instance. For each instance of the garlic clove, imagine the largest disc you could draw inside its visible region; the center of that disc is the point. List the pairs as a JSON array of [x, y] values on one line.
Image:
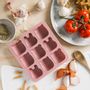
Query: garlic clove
[[73, 66], [66, 81], [63, 11], [41, 5], [74, 80]]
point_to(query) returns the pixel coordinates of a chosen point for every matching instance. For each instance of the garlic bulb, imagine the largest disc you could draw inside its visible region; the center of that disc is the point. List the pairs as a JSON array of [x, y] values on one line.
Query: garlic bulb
[[62, 2], [41, 5], [63, 11], [21, 15]]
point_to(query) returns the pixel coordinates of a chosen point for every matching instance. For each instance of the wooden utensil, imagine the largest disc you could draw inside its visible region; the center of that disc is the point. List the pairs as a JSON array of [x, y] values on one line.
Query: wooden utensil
[[81, 59]]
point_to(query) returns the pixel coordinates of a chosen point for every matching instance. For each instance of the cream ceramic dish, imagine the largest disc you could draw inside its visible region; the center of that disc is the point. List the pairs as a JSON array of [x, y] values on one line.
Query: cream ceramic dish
[[11, 29], [58, 25]]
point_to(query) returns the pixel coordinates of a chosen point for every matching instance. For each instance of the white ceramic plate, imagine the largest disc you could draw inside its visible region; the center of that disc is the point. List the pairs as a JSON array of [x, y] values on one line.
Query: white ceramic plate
[[58, 24]]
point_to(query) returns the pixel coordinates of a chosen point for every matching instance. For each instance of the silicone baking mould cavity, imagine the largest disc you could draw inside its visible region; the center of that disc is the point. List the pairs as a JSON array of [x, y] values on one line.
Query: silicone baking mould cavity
[[38, 51]]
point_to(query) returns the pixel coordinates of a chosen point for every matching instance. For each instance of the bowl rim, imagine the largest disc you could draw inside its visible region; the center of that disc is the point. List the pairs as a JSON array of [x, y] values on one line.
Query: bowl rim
[[7, 41]]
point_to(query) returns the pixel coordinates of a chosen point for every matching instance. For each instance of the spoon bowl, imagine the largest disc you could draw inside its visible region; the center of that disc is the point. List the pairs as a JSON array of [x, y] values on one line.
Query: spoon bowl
[[82, 58]]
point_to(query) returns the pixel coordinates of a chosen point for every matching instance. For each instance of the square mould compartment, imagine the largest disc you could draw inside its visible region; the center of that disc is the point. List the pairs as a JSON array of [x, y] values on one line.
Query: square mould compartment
[[50, 44], [39, 51], [30, 40], [36, 71], [42, 32], [18, 48], [47, 63], [27, 60], [58, 56]]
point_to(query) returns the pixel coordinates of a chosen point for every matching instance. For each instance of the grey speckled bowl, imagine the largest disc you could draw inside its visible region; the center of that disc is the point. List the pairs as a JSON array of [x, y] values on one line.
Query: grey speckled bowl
[[11, 28]]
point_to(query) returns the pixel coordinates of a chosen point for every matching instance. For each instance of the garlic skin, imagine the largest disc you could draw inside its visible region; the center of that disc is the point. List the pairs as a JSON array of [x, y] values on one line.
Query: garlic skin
[[66, 81], [65, 12], [41, 5]]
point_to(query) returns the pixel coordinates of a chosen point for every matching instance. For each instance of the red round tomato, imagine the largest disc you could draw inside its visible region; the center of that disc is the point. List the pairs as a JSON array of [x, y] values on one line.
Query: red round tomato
[[85, 31], [82, 15], [71, 26]]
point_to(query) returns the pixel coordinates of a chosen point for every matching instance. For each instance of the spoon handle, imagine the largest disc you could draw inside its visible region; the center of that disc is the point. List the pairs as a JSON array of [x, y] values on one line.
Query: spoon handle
[[84, 63]]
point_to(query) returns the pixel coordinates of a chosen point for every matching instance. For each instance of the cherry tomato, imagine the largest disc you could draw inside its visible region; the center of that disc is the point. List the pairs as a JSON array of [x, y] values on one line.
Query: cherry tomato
[[71, 26], [82, 15], [85, 31]]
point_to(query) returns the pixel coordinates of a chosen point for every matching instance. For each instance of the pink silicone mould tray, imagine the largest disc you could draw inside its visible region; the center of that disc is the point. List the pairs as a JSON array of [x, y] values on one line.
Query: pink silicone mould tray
[[38, 51]]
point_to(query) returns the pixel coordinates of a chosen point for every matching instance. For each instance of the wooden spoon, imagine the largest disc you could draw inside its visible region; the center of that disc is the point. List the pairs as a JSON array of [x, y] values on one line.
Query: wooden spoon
[[81, 59]]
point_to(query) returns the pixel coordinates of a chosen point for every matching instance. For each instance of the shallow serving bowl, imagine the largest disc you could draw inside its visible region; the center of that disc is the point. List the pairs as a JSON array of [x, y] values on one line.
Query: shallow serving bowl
[[58, 25]]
